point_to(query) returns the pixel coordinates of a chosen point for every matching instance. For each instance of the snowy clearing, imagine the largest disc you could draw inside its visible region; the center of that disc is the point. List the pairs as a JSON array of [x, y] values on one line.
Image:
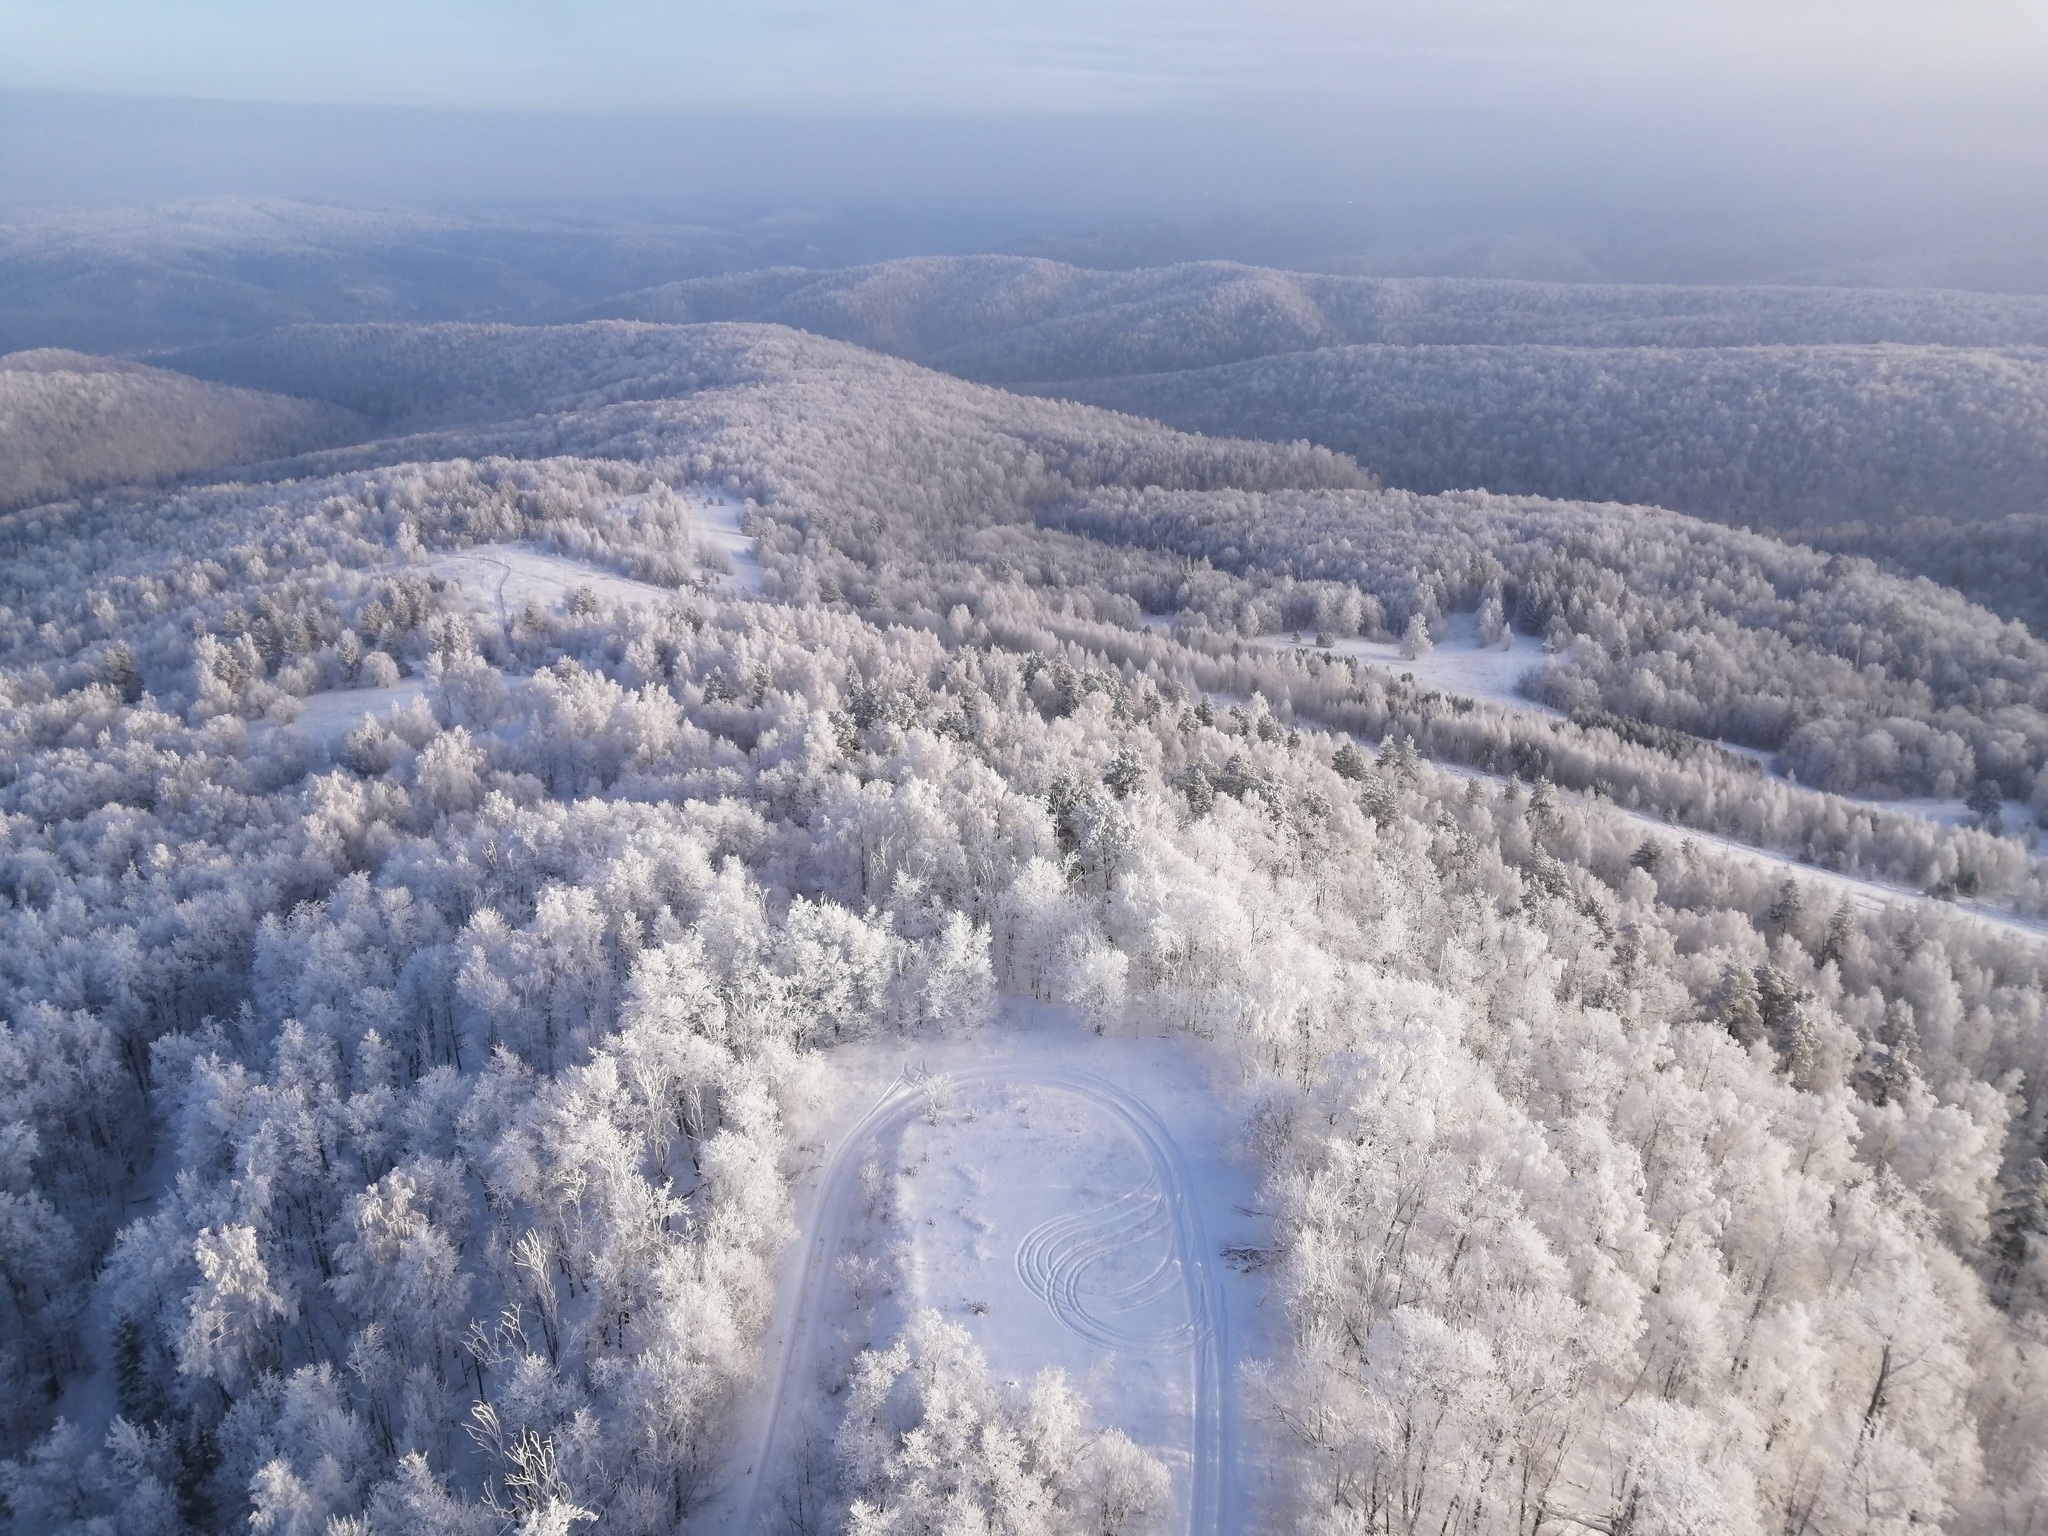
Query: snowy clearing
[[498, 580], [1008, 1182], [327, 717], [716, 530], [1457, 663], [501, 579]]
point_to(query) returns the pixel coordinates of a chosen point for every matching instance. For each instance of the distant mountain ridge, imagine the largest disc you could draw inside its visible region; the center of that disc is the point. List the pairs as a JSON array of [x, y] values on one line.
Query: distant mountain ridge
[[127, 279], [1785, 437], [1637, 392], [1015, 319]]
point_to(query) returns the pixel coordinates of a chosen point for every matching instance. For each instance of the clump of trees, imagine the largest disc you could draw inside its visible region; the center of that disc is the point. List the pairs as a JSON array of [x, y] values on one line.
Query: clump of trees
[[932, 1441]]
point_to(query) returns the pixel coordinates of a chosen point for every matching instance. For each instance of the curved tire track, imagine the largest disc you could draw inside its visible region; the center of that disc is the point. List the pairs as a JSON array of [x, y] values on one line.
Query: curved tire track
[[1171, 1189], [1057, 1258]]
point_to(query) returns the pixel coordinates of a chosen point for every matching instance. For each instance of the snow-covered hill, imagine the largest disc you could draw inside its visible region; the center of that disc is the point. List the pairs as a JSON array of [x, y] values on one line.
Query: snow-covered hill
[[583, 937], [71, 423]]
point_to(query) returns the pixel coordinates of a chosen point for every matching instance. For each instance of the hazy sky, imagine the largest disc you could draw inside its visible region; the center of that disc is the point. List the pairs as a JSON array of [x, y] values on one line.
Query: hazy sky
[[999, 56], [1900, 110]]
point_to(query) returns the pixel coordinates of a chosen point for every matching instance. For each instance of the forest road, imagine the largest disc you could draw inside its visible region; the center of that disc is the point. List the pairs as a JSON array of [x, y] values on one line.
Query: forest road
[[1866, 892], [1170, 1189]]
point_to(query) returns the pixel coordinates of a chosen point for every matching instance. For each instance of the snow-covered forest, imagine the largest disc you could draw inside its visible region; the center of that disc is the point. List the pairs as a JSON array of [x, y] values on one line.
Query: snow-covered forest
[[70, 423], [1768, 436], [1865, 421], [459, 920], [1017, 320]]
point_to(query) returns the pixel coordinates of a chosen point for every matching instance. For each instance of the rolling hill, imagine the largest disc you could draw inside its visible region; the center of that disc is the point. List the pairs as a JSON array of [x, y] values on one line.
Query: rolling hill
[[70, 423]]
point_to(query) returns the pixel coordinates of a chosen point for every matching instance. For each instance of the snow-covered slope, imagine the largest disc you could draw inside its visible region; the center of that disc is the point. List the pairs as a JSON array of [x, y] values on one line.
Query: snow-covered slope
[[72, 423], [1773, 436], [1870, 420]]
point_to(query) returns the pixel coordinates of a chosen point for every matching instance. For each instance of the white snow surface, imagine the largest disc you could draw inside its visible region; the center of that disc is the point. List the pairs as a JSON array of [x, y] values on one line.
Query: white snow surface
[[327, 717], [1065, 1197], [1457, 663], [716, 528], [498, 580]]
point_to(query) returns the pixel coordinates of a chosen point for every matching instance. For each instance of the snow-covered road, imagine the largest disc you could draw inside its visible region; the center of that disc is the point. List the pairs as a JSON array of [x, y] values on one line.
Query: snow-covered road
[[1459, 664], [1137, 1273]]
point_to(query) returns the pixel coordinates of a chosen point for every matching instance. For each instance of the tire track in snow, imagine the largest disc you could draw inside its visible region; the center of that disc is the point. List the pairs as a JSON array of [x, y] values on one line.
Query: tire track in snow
[[1170, 1189], [1059, 1259]]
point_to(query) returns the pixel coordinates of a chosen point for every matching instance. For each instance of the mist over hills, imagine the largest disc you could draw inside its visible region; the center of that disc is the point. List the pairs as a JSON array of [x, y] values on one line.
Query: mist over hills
[[123, 279], [1015, 319], [1713, 400], [1863, 419], [1583, 237]]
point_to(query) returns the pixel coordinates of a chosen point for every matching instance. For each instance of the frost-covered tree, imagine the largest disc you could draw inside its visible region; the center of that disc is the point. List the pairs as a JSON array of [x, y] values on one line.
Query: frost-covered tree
[[436, 1075]]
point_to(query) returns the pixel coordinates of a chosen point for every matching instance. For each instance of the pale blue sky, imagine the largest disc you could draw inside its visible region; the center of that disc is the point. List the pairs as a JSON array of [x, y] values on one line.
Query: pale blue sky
[[917, 57], [1875, 107]]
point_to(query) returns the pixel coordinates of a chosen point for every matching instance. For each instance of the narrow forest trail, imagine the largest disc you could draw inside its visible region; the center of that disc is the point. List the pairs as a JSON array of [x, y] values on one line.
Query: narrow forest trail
[[1460, 666], [1868, 894], [500, 578], [718, 527], [1164, 1216], [1865, 893]]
